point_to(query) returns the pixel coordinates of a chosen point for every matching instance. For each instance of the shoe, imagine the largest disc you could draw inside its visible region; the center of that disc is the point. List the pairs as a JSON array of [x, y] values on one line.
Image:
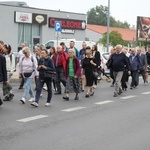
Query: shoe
[[87, 95], [82, 90], [45, 88], [6, 98], [115, 95], [34, 104], [66, 98], [120, 92], [76, 98], [57, 93], [20, 87], [1, 102], [11, 96], [41, 95], [112, 85], [92, 94], [47, 104], [94, 86], [23, 100], [31, 99], [131, 88]]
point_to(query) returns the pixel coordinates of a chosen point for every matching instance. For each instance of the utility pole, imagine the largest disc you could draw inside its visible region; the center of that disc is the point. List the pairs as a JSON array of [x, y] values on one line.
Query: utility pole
[[108, 25]]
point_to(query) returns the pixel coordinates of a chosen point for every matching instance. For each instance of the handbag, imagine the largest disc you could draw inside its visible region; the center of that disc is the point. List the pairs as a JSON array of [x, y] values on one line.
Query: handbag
[[27, 74], [48, 74], [95, 74], [109, 63]]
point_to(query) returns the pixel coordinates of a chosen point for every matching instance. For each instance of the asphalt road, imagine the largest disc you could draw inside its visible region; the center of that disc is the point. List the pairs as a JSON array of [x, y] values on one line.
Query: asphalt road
[[101, 122]]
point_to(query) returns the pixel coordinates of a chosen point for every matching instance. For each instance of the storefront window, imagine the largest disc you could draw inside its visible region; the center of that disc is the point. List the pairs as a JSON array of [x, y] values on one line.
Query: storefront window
[[26, 32]]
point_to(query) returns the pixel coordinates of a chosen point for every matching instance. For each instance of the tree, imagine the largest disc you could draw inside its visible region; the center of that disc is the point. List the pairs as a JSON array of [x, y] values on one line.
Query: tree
[[115, 38], [98, 16]]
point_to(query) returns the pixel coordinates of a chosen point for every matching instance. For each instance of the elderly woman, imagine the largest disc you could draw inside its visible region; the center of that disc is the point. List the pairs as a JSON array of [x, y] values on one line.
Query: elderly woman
[[88, 66], [28, 68], [73, 75]]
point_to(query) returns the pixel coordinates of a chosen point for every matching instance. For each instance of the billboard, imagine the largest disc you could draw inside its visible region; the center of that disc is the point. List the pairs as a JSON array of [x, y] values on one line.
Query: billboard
[[143, 29]]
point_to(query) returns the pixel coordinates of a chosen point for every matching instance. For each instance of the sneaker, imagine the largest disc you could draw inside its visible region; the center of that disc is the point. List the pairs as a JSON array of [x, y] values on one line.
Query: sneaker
[[45, 88], [76, 98], [87, 95], [31, 99], [41, 95], [6, 98], [47, 104], [23, 100], [115, 95], [66, 98], [11, 96], [34, 104]]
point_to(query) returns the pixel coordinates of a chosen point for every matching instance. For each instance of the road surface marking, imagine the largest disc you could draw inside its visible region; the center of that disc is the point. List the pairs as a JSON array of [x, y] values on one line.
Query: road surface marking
[[146, 93], [128, 97], [73, 109], [104, 102], [32, 118]]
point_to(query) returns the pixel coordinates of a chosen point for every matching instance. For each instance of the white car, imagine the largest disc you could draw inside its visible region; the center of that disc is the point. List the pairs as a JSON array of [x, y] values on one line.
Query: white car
[[104, 59]]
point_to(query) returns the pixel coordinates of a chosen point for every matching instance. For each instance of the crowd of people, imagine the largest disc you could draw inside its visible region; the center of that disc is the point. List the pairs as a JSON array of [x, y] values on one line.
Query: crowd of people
[[74, 68], [69, 66]]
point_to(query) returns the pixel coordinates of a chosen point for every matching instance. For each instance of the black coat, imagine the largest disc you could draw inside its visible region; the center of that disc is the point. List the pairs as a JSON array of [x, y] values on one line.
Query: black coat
[[3, 71]]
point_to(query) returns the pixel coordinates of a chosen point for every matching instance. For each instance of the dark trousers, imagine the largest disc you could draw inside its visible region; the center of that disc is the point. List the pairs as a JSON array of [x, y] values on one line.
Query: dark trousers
[[142, 72], [40, 84], [112, 76], [22, 81], [60, 77], [135, 78]]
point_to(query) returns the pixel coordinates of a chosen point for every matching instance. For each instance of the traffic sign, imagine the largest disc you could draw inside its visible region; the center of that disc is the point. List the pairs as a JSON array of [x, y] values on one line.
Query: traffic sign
[[58, 26]]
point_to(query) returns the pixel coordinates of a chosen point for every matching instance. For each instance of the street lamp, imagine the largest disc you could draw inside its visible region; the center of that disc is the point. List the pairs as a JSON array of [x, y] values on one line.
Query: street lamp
[[108, 25]]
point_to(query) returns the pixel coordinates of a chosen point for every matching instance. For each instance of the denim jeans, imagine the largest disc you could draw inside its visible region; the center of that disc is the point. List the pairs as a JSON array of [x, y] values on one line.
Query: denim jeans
[[40, 84], [28, 88]]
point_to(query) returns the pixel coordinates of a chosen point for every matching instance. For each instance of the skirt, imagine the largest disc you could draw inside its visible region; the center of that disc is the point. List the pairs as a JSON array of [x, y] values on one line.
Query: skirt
[[73, 85]]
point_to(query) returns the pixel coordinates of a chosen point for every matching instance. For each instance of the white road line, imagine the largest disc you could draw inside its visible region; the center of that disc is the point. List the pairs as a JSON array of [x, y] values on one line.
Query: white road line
[[73, 109], [104, 102], [146, 93], [32, 118], [128, 97]]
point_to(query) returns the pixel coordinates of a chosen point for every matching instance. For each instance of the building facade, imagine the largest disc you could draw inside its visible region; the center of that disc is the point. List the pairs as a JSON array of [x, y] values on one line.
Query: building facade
[[33, 25]]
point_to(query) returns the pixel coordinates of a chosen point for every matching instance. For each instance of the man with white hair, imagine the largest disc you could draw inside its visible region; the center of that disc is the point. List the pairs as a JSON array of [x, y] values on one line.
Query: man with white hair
[[119, 62]]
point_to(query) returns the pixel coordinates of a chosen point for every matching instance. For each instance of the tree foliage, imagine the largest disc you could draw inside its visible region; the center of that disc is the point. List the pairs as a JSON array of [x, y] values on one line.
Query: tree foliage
[[114, 38], [98, 16]]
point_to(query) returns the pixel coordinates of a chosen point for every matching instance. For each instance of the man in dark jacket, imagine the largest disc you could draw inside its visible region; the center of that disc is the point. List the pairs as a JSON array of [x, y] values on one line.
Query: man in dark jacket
[[119, 61], [136, 66], [3, 72]]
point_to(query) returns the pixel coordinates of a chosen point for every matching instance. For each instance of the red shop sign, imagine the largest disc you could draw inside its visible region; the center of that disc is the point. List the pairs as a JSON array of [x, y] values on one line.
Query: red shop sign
[[68, 23]]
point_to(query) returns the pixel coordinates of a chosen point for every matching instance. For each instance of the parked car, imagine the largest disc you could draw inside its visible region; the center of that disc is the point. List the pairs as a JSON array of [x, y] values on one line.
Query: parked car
[[104, 59]]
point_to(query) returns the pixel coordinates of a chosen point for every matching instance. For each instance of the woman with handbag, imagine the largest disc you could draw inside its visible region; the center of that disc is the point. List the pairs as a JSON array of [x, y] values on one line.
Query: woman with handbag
[[46, 71], [73, 75], [88, 66], [28, 68]]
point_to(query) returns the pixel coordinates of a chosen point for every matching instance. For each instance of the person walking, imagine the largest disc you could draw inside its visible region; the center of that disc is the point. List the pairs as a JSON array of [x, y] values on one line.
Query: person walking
[[60, 65], [28, 69], [136, 65], [3, 73], [45, 66], [73, 75], [118, 63], [20, 56], [88, 66], [10, 66]]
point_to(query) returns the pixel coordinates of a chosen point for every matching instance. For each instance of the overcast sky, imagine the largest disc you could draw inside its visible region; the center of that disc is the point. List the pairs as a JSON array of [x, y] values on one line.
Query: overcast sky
[[123, 10]]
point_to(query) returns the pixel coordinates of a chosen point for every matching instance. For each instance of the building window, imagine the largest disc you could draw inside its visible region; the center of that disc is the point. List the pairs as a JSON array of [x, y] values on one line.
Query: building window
[[26, 32]]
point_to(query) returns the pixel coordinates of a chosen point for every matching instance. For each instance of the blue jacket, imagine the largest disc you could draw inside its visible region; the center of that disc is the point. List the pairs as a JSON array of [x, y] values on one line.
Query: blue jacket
[[135, 64]]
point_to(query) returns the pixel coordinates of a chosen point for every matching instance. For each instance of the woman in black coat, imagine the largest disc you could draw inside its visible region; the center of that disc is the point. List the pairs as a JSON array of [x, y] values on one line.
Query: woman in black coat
[[97, 60], [3, 72]]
